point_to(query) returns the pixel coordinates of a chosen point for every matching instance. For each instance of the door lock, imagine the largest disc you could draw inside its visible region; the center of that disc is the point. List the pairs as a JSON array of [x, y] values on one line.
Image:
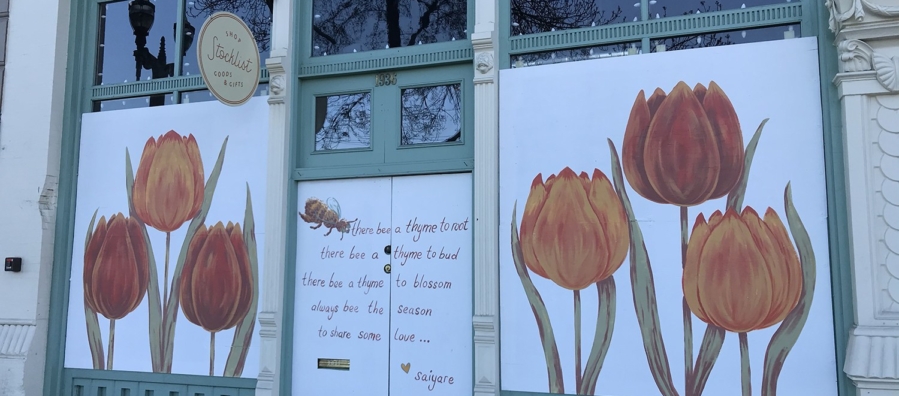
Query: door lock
[[386, 268]]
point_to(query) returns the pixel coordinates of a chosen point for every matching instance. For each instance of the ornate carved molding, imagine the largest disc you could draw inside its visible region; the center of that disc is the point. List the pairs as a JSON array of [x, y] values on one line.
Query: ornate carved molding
[[277, 85], [857, 11], [484, 62], [858, 56]]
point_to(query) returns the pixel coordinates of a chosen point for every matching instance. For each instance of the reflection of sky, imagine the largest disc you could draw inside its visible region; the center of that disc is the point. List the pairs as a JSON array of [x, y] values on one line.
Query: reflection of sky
[[363, 24], [629, 11], [190, 60], [118, 64], [421, 104], [118, 40], [341, 132]]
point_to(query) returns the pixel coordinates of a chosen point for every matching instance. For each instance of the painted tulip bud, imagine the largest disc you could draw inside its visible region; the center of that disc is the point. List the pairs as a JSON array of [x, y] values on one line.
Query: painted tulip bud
[[168, 186], [574, 230], [683, 148], [216, 284], [741, 272], [116, 267]]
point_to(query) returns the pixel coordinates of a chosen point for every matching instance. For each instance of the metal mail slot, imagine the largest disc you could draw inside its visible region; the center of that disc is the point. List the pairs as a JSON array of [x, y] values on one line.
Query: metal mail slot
[[334, 364]]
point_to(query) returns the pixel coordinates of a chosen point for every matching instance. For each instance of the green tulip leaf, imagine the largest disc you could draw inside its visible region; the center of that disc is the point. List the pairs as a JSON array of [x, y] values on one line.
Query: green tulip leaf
[[705, 361], [786, 335], [550, 349], [153, 300], [605, 324], [240, 345], [644, 292], [94, 339], [171, 306], [735, 198]]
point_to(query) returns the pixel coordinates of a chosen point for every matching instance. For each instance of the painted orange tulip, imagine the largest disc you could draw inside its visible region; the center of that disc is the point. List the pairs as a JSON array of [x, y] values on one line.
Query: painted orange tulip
[[742, 273], [683, 148], [116, 267], [168, 187], [216, 282], [574, 229]]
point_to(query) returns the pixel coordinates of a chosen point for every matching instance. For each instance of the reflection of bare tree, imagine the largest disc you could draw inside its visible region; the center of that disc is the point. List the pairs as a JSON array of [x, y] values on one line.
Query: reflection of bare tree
[[432, 114], [351, 25], [538, 16], [697, 40], [256, 13], [343, 119]]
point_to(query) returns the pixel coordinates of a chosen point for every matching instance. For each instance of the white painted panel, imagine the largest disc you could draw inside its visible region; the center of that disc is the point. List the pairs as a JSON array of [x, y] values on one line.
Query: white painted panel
[[431, 336], [342, 290]]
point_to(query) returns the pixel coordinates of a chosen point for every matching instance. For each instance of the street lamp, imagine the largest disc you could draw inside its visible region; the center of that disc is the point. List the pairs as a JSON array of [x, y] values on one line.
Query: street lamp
[[141, 14]]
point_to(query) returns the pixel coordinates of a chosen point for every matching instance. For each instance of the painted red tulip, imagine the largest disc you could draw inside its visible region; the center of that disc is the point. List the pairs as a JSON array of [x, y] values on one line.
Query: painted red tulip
[[216, 283], [574, 229], [116, 267], [742, 272], [683, 148]]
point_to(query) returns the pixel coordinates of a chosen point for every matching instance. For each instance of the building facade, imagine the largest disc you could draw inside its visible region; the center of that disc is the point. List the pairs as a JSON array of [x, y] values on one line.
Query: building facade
[[416, 191]]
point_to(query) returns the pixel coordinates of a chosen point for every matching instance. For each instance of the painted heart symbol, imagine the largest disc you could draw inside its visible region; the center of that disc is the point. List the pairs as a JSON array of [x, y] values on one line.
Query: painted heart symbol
[[405, 367]]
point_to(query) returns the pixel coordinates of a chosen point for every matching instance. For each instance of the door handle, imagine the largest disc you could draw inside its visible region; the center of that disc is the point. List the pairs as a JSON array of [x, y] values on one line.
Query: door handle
[[387, 249]]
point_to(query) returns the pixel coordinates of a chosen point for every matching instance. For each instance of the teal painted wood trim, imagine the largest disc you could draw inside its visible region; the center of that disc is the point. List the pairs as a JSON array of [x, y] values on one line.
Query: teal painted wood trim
[[407, 57], [379, 170], [161, 378], [79, 71], [158, 86], [837, 205], [777, 14]]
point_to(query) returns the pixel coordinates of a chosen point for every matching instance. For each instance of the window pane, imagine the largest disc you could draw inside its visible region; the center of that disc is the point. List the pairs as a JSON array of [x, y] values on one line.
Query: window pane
[[204, 95], [577, 54], [134, 103], [538, 16], [343, 122], [432, 114], [726, 38], [257, 14], [117, 61], [671, 8], [346, 26]]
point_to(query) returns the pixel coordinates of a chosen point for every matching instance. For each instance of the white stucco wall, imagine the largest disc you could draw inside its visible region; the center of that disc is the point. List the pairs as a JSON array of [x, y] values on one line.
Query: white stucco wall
[[30, 128]]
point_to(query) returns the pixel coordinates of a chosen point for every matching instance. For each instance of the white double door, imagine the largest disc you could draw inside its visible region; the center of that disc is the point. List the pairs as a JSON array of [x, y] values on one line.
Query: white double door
[[384, 286]]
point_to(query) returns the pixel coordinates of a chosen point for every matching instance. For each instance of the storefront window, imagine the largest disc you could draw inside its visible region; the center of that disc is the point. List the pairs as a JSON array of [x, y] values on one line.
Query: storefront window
[[577, 54], [671, 8], [257, 14], [347, 26], [725, 38], [343, 121], [538, 16], [125, 54], [133, 103], [432, 114]]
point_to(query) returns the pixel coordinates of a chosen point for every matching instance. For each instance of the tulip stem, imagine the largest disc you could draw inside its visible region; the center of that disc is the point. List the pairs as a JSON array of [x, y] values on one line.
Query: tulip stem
[[111, 344], [165, 287], [744, 365], [211, 353], [578, 377], [688, 317]]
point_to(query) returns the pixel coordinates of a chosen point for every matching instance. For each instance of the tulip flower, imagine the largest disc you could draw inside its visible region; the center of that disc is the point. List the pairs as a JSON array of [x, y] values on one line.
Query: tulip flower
[[685, 147], [574, 229], [742, 273], [116, 270], [216, 284], [168, 187], [574, 232]]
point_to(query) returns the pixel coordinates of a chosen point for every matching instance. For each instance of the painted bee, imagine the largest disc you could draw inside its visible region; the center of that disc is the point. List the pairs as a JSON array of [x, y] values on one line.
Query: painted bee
[[327, 214]]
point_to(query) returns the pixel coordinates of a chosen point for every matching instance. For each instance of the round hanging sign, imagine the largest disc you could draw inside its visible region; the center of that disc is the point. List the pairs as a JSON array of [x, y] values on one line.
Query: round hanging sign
[[228, 58]]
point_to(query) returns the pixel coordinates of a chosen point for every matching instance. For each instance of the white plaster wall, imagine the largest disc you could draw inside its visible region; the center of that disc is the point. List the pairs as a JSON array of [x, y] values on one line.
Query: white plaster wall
[[30, 130]]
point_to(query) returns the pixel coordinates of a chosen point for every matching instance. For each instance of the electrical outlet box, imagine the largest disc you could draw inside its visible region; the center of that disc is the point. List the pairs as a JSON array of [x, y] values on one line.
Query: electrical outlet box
[[13, 264]]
